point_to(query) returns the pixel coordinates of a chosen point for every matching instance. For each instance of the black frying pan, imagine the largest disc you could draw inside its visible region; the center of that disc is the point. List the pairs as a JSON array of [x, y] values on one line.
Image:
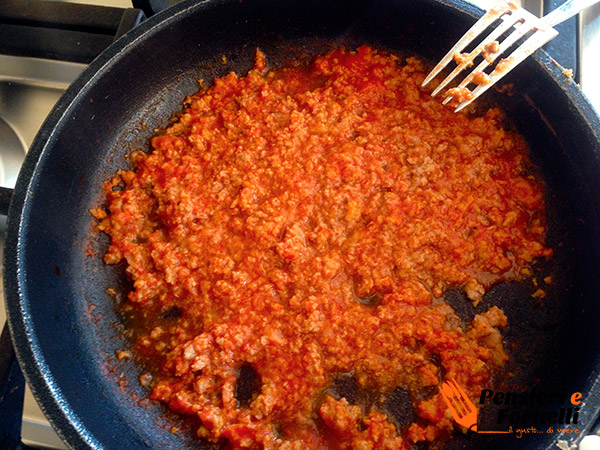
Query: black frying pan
[[64, 326]]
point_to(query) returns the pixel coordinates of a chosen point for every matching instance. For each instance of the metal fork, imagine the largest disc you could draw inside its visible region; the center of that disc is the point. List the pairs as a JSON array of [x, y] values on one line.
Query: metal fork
[[514, 24]]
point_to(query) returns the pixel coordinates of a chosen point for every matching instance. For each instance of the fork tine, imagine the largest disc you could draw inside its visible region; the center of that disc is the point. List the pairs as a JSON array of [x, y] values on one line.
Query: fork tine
[[463, 395], [486, 20], [456, 398], [460, 398], [509, 20], [448, 396], [534, 42], [511, 39], [517, 34]]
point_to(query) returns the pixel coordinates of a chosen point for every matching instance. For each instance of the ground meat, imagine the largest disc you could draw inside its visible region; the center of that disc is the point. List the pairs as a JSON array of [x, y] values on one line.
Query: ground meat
[[304, 222]]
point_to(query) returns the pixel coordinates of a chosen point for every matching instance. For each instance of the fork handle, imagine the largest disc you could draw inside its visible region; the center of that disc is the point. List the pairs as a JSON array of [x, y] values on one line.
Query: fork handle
[[567, 10]]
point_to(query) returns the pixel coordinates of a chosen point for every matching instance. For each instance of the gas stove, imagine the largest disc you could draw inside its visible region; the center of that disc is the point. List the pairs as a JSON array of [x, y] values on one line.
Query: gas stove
[[29, 88]]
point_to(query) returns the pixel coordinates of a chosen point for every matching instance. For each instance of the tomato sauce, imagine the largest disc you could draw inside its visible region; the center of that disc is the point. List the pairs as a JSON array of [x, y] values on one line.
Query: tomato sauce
[[301, 224]]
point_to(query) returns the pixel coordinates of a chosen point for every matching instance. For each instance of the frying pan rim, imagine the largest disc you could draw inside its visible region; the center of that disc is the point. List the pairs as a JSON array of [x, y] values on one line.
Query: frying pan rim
[[33, 363]]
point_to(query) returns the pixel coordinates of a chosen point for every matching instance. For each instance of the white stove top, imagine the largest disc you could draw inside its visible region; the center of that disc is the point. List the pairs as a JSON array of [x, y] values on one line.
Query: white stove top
[[40, 92]]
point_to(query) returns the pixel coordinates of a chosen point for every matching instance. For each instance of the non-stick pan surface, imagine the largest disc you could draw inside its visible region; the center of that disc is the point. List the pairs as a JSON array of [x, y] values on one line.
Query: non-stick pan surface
[[64, 326]]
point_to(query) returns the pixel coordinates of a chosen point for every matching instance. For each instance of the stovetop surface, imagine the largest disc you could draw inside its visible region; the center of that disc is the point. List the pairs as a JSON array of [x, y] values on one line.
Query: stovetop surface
[[29, 88]]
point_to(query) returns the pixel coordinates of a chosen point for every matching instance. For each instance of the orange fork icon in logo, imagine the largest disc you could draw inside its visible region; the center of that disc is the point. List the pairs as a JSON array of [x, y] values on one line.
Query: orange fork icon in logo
[[462, 408]]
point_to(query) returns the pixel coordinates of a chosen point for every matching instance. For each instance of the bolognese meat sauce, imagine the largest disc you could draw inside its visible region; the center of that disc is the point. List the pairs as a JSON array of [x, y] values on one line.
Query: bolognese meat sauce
[[301, 224]]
